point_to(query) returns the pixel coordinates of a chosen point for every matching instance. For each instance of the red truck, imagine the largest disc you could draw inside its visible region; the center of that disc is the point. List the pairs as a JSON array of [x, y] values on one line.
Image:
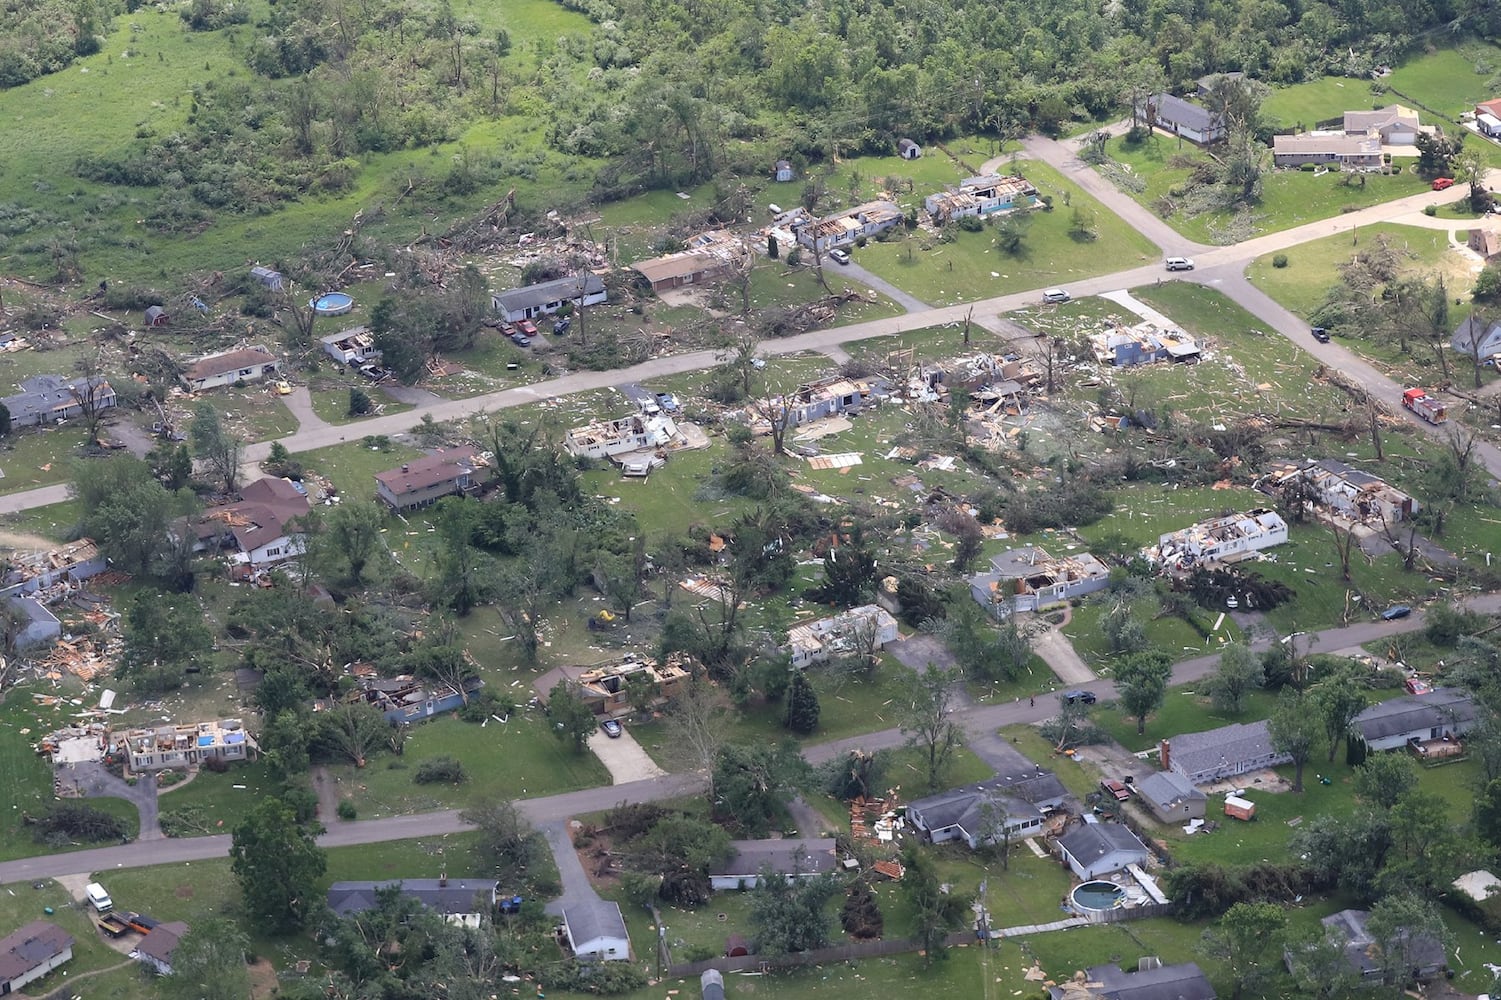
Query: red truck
[[1425, 406]]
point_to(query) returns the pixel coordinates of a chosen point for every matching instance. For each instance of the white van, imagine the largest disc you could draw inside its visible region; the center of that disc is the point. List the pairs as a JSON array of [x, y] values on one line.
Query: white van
[[98, 898]]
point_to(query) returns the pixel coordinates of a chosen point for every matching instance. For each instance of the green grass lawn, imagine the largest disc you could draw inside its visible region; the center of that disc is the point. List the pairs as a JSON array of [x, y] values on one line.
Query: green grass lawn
[[39, 456], [970, 267], [1448, 80], [1309, 565], [1301, 106], [254, 413], [352, 467], [224, 799], [1169, 633], [20, 904], [536, 764], [1182, 711]]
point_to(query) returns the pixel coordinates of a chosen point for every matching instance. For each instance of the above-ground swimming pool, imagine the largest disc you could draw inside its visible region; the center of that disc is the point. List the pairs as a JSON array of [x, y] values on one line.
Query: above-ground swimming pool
[[332, 304], [1098, 896]]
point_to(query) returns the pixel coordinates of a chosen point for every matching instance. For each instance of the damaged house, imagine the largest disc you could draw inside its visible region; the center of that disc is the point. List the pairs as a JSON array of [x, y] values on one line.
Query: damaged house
[[853, 632], [249, 364], [980, 196], [846, 228], [1027, 578], [1229, 538], [260, 528], [709, 256], [51, 399], [607, 688], [1143, 344], [424, 481], [353, 347], [615, 439], [404, 699], [183, 746], [825, 398], [1334, 487], [979, 814], [34, 580]]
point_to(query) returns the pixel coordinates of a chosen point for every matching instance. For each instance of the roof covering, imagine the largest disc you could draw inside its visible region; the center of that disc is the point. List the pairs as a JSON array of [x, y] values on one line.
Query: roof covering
[[1413, 713], [424, 473], [450, 897], [1195, 753], [36, 943], [44, 394], [1184, 113], [162, 941], [557, 290], [592, 919], [229, 361], [1167, 789], [1097, 841], [1166, 982], [793, 855]]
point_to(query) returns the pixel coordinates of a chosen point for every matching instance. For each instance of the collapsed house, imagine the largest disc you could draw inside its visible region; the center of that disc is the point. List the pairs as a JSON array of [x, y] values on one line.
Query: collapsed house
[[424, 481], [404, 699], [260, 529], [637, 443], [609, 689], [854, 632], [1027, 578], [1226, 539], [1332, 487], [249, 364], [848, 227], [34, 580], [980, 196], [1143, 344], [824, 398], [183, 746], [709, 256], [353, 347], [51, 399]]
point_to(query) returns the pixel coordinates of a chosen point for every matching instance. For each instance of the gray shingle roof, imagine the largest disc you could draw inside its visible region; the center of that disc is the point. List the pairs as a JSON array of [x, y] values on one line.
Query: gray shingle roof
[[1184, 113], [1166, 982], [457, 896], [42, 394], [25, 949], [1095, 841], [1167, 788], [1364, 954], [594, 918], [557, 290], [803, 855], [1438, 709], [163, 941], [1196, 753]]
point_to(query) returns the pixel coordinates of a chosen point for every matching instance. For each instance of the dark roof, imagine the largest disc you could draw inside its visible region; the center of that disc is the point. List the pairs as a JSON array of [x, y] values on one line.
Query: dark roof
[[803, 855], [446, 896], [162, 941], [1348, 473], [593, 918], [1095, 841], [1184, 113], [1364, 953], [230, 361], [1166, 982], [36, 943], [1412, 713], [712, 984], [426, 472], [1167, 788], [558, 290], [1196, 753], [42, 394], [260, 516]]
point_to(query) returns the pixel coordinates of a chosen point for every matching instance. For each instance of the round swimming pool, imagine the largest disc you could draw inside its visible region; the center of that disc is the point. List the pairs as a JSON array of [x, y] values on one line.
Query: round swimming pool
[[332, 304], [1098, 896]]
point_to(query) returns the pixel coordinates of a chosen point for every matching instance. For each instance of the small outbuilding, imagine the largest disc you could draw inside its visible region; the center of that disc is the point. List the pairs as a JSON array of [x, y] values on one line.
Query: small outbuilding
[[711, 983], [907, 149], [1096, 849], [156, 316], [595, 928], [266, 276], [782, 171], [736, 946], [1171, 797], [159, 945]]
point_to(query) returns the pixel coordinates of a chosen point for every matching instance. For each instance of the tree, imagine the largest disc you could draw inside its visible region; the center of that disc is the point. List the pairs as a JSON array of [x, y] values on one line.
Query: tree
[[1384, 778], [1248, 941], [352, 535], [1320, 968], [1470, 168], [1427, 852], [790, 914], [506, 840], [983, 651], [351, 731], [849, 575], [750, 784], [1244, 159], [463, 578], [4, 420], [209, 960], [90, 393], [1436, 151], [218, 449], [694, 725], [162, 637], [1406, 926], [128, 512], [1338, 700], [802, 705], [1487, 289], [277, 865], [1487, 812], [172, 467], [619, 577], [936, 908], [923, 715], [1297, 730], [359, 402], [572, 720], [1239, 673], [1141, 684]]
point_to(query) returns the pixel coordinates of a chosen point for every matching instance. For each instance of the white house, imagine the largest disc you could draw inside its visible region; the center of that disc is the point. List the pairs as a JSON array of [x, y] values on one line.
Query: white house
[[351, 347], [544, 298], [1477, 340], [31, 952], [595, 928], [858, 630], [1348, 152], [262, 528], [845, 228], [464, 902], [155, 950], [793, 857], [424, 481], [1027, 578], [1096, 849], [1221, 539], [980, 196], [976, 814], [249, 364], [1416, 718], [637, 432], [1394, 124], [1183, 118]]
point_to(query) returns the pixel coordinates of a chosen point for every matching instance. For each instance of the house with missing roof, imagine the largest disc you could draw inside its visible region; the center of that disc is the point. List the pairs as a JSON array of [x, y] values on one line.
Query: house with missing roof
[[424, 481], [1143, 344], [609, 688], [466, 902], [172, 746], [355, 346], [791, 857], [708, 256], [606, 439], [247, 364], [846, 228], [980, 196], [28, 954], [51, 399], [1183, 118], [978, 814], [1417, 718], [1478, 340], [857, 630], [1229, 538], [1154, 981], [1363, 953], [544, 298], [594, 928], [261, 528], [1093, 848], [1343, 490], [1226, 752], [156, 949], [1027, 578], [1171, 797]]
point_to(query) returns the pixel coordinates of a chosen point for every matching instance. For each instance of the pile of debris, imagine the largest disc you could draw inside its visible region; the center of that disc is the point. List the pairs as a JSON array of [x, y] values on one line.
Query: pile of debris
[[85, 658]]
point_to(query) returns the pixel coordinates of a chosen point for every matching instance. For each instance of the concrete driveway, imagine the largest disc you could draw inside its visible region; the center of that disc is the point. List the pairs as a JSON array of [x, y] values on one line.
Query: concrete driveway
[[623, 757]]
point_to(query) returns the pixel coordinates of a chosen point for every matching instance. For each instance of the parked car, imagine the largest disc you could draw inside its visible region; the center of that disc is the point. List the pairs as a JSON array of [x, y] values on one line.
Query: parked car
[[1087, 697], [1394, 612], [1115, 789], [839, 256], [1442, 183], [528, 327], [1055, 295], [1180, 264], [668, 402], [1321, 335], [283, 388], [521, 341], [374, 372], [612, 728]]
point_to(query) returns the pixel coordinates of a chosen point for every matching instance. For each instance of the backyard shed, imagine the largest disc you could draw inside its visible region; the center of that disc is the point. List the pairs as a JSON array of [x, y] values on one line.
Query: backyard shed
[[156, 316], [907, 149], [266, 276], [782, 171], [712, 984]]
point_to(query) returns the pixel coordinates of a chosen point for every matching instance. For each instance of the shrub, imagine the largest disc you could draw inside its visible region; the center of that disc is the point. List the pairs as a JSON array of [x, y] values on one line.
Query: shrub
[[1279, 260], [971, 223], [74, 821], [359, 402], [1430, 210], [218, 765], [168, 778], [347, 810], [439, 770], [1309, 168]]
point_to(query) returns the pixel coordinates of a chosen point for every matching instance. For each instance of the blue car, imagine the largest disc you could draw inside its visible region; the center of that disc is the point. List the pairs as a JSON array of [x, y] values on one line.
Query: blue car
[[1394, 612]]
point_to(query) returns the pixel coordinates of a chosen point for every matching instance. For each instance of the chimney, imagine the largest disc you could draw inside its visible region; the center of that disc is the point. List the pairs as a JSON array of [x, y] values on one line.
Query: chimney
[[1165, 755]]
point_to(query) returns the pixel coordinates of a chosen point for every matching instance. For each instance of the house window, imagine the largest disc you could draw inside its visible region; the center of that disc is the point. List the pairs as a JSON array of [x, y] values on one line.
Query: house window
[[246, 371], [273, 552]]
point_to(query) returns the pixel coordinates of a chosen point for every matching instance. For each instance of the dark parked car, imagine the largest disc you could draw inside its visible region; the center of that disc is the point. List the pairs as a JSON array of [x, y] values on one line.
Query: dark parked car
[[520, 340], [1087, 697], [1394, 612], [1321, 335], [612, 728]]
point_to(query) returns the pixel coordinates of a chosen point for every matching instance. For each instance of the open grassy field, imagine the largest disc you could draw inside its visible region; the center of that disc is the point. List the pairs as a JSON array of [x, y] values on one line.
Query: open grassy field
[[971, 266], [223, 799], [38, 456], [1169, 633], [1449, 81], [1301, 106]]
